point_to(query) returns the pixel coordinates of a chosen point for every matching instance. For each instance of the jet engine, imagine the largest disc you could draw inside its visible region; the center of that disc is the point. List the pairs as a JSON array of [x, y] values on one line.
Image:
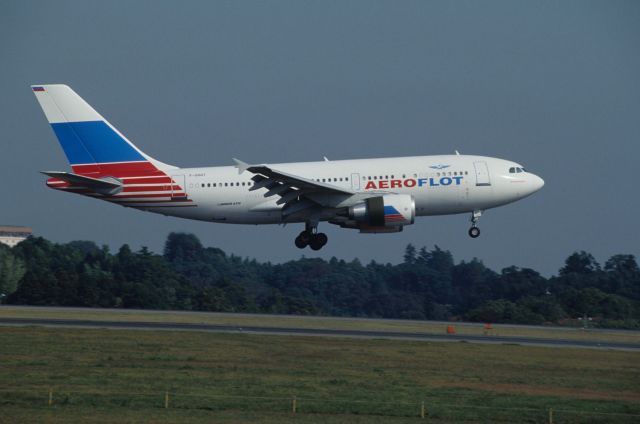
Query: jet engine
[[391, 210]]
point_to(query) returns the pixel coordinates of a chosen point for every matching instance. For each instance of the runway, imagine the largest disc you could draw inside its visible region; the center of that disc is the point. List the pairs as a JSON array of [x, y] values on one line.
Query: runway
[[293, 331]]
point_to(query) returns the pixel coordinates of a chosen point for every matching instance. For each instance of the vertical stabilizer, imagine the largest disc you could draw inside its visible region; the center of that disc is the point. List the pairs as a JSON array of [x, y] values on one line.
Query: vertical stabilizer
[[89, 141]]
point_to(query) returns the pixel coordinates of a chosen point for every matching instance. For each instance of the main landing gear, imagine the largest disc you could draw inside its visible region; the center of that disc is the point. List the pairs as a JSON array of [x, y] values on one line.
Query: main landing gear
[[311, 237], [474, 231]]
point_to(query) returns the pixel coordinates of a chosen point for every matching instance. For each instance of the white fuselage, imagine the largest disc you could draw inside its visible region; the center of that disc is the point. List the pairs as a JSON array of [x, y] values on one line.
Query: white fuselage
[[440, 185]]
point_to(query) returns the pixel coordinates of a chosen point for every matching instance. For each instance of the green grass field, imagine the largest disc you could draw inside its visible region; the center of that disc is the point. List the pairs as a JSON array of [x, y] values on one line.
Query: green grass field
[[122, 376]]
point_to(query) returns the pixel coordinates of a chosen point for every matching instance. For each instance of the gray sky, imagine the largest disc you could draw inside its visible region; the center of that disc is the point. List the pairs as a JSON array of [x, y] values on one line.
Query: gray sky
[[552, 85]]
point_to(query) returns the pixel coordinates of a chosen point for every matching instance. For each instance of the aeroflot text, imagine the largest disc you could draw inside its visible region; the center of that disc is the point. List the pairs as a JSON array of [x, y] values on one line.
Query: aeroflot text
[[413, 182]]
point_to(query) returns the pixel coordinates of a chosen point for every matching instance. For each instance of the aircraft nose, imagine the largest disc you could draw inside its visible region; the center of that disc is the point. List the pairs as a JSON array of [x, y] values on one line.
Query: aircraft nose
[[537, 182]]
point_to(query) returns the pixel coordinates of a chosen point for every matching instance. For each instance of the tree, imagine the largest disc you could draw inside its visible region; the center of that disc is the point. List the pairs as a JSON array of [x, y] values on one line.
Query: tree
[[84, 246], [409, 254], [440, 260], [502, 310], [182, 247], [428, 284], [623, 276], [12, 269], [515, 283], [580, 263]]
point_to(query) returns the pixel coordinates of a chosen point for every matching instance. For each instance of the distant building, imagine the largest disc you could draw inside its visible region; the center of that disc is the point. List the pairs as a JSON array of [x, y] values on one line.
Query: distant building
[[12, 235]]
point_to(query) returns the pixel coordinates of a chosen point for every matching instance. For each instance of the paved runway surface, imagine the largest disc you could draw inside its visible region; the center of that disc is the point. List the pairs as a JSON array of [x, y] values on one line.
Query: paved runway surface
[[369, 334]]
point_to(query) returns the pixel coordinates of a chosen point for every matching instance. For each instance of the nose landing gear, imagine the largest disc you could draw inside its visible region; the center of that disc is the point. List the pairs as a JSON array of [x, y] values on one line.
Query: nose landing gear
[[474, 231], [311, 237]]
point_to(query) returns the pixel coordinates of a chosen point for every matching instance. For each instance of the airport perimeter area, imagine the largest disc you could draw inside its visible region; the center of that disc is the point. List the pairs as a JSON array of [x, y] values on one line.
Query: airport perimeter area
[[69, 374]]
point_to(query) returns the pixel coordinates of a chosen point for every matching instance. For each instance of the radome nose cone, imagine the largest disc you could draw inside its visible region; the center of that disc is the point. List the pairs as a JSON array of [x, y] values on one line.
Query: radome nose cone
[[538, 183]]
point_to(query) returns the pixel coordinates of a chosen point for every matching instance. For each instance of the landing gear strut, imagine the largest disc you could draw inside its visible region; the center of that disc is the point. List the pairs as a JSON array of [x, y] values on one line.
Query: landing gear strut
[[311, 237], [474, 231]]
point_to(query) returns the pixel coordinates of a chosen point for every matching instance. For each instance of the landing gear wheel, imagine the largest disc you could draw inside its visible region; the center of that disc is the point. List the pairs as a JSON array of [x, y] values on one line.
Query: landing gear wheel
[[474, 232], [318, 241], [303, 240]]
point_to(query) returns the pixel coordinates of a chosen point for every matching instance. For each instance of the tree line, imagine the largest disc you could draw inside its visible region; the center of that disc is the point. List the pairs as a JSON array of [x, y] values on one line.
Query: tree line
[[428, 284]]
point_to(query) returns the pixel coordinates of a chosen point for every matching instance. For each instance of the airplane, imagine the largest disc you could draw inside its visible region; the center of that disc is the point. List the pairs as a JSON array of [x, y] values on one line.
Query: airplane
[[370, 195]]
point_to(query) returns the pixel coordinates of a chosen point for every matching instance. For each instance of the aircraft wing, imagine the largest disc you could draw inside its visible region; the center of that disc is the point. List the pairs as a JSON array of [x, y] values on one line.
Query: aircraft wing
[[296, 193]]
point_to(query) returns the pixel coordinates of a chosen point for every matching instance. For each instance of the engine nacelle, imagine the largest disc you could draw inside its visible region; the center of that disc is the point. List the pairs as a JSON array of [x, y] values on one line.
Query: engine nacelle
[[365, 229], [390, 210]]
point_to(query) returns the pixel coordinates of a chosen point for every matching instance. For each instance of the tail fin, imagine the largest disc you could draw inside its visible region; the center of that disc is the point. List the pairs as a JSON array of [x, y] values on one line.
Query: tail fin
[[90, 142]]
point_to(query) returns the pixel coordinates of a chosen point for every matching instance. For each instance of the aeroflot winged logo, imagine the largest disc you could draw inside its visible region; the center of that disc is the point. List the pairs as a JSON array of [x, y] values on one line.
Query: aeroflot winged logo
[[439, 166]]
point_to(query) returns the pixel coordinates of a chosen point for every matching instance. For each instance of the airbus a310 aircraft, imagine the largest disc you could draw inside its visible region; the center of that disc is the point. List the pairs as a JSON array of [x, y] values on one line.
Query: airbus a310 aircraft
[[370, 195]]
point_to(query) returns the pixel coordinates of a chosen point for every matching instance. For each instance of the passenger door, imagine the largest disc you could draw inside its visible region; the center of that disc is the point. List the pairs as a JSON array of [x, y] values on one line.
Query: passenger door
[[355, 182], [482, 173]]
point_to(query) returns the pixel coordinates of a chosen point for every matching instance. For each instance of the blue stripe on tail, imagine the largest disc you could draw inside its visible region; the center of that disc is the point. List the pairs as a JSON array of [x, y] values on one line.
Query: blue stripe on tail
[[93, 142]]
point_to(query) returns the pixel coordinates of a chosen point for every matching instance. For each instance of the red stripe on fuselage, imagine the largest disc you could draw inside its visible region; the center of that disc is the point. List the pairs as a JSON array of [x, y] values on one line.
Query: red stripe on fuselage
[[143, 173], [152, 180], [127, 196], [167, 188], [124, 169], [163, 206], [159, 200]]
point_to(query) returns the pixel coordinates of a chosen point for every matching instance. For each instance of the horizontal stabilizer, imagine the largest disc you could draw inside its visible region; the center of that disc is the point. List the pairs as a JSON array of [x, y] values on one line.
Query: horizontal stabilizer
[[108, 185]]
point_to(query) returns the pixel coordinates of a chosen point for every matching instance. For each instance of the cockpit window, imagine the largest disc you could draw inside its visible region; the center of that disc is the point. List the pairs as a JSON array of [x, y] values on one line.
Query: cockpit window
[[519, 170], [512, 170]]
